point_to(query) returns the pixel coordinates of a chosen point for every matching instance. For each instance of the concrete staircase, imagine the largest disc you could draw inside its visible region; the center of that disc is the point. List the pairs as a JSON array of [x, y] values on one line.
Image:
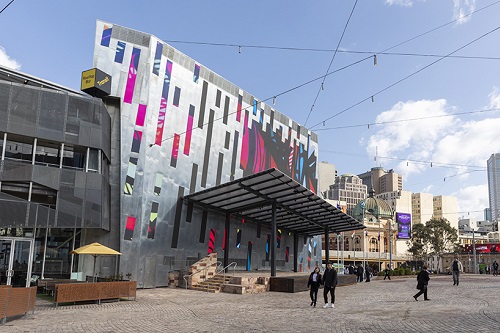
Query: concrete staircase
[[212, 285]]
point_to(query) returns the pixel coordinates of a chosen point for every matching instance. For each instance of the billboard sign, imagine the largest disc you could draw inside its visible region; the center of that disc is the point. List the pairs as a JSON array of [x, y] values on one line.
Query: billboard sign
[[404, 225]]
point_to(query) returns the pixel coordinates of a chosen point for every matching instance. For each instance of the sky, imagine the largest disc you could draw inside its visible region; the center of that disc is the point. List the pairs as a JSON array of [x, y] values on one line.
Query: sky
[[427, 108]]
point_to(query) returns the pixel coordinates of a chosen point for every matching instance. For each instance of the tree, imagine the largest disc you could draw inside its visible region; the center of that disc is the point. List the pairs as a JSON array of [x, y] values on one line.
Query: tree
[[442, 237], [418, 245]]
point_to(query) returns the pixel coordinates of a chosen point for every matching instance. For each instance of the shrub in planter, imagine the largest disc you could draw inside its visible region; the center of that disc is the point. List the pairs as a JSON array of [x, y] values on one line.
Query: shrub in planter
[[407, 271], [395, 272]]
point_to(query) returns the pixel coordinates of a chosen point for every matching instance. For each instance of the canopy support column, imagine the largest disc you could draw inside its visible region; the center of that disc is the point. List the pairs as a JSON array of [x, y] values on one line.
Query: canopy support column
[[295, 251], [273, 239], [327, 246], [226, 241]]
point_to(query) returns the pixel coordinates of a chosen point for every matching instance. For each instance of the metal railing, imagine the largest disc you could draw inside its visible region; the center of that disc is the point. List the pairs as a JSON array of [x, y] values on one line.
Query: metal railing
[[218, 263], [222, 270]]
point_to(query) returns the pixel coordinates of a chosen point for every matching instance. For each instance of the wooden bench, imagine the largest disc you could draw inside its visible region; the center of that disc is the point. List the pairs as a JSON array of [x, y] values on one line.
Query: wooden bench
[[94, 291], [48, 285]]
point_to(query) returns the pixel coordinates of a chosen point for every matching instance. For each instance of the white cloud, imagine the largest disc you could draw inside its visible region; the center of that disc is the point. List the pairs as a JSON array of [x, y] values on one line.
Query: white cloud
[[471, 200], [415, 139], [405, 3], [7, 61], [462, 8], [494, 99]]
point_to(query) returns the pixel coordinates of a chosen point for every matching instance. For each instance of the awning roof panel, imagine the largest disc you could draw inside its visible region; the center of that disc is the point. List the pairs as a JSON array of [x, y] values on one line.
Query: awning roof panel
[[298, 209]]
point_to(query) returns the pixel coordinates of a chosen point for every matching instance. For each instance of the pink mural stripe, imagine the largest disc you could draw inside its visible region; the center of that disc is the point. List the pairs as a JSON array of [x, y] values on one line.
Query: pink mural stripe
[[175, 150], [132, 75], [244, 144], [189, 130], [163, 103], [141, 115]]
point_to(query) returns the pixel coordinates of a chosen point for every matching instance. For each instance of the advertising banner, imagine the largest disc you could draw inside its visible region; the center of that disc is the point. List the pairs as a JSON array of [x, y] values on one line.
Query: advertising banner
[[404, 225]]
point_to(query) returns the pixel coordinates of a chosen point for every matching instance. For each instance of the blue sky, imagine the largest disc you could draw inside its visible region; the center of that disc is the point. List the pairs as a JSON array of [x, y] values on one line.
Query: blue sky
[[54, 41]]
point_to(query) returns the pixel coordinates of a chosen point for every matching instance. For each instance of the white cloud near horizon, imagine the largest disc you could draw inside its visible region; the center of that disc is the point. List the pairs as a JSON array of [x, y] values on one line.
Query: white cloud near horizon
[[404, 3], [462, 8], [471, 199], [7, 61], [494, 99]]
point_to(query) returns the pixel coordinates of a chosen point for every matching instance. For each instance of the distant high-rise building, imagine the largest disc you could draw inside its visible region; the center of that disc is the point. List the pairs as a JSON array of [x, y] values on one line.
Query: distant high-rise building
[[326, 177], [422, 207], [348, 188], [493, 165], [446, 206], [382, 180]]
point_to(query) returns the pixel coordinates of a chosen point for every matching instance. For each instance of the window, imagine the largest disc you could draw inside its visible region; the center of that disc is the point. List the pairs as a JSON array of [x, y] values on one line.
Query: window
[[19, 148], [93, 160], [47, 153], [74, 157]]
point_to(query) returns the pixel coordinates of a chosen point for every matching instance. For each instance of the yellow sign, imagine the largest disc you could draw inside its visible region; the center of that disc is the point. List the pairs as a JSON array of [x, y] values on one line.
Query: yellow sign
[[88, 79]]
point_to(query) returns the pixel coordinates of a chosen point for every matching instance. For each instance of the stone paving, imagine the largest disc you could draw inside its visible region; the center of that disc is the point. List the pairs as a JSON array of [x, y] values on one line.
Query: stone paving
[[377, 306]]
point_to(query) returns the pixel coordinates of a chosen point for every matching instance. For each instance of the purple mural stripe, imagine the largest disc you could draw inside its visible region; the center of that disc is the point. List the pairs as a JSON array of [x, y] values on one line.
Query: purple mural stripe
[[141, 115], [157, 61], [177, 220], [163, 103], [196, 74], [106, 35], [226, 110], [189, 130], [120, 52], [132, 75], [136, 142]]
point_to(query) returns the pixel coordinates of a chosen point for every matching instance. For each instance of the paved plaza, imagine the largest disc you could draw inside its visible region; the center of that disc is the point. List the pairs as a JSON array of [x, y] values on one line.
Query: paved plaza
[[377, 306]]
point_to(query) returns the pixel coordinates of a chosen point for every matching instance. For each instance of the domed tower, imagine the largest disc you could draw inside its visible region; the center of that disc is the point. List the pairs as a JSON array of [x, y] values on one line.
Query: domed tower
[[374, 242]]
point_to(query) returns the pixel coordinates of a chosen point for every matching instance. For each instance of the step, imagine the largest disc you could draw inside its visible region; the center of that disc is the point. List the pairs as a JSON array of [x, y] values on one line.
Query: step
[[201, 288]]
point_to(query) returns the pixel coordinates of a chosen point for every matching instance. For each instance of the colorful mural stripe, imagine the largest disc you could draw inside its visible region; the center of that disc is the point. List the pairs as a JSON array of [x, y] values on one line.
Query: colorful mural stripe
[[132, 75], [106, 35], [129, 228], [254, 111], [152, 220], [196, 74], [249, 256], [278, 239], [129, 180], [157, 61], [189, 130], [268, 246], [141, 115], [120, 52], [238, 238], [175, 150], [238, 109], [287, 254], [136, 142], [309, 255], [163, 103], [211, 241], [158, 180], [315, 247]]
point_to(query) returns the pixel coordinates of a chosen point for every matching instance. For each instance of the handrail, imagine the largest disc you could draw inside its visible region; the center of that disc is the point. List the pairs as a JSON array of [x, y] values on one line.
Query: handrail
[[218, 263], [224, 275]]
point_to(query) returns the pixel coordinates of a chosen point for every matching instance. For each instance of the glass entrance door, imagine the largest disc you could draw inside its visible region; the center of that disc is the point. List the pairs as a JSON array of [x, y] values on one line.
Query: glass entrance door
[[16, 257]]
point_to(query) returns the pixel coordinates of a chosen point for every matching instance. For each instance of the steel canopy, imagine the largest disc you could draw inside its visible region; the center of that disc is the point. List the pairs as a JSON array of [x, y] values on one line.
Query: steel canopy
[[298, 209]]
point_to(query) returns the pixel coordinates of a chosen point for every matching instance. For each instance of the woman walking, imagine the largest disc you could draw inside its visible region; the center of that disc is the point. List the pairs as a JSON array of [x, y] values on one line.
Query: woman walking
[[314, 282], [422, 282]]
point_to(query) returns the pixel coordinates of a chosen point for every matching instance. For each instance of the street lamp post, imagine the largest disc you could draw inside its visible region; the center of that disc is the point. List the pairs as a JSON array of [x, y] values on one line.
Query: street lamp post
[[390, 244], [474, 250], [378, 240]]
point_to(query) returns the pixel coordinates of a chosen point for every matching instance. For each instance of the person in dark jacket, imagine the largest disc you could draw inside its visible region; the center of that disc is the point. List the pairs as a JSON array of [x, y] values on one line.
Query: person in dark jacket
[[368, 273], [360, 273], [314, 282], [387, 273], [422, 282], [330, 282]]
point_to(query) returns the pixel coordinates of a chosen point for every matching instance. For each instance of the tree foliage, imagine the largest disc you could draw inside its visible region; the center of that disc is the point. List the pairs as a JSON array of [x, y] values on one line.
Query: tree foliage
[[437, 236]]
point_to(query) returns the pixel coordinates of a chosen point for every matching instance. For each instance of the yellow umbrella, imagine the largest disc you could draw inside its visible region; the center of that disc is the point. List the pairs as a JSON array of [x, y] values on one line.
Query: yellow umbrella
[[95, 249]]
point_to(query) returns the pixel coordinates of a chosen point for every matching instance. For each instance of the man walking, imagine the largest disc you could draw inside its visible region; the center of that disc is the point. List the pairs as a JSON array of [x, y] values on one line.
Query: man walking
[[360, 273], [330, 282], [456, 268], [495, 268], [387, 273]]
